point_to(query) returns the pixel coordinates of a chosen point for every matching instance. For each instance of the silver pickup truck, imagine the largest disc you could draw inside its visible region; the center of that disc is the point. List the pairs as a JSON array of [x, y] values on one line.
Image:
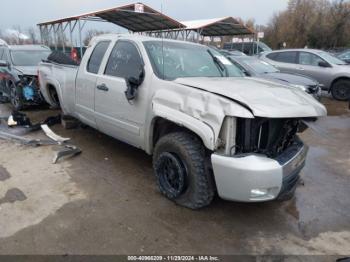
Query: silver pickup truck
[[208, 128]]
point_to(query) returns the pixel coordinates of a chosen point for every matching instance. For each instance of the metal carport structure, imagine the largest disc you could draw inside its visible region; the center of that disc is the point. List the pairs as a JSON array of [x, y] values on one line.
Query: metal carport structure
[[216, 27], [136, 18]]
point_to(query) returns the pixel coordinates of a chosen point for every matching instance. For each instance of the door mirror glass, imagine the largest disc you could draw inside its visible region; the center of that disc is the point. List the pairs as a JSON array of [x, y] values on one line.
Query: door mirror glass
[[323, 64], [4, 63]]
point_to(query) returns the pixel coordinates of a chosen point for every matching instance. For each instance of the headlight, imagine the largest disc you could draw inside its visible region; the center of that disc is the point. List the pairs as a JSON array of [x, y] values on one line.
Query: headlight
[[301, 87]]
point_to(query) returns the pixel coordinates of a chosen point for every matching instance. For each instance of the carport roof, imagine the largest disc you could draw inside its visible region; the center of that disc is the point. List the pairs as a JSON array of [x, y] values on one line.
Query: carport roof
[[218, 27], [134, 17]]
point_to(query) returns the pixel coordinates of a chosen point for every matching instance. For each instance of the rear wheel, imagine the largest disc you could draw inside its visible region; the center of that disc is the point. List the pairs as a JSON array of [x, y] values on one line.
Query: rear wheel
[[16, 97], [341, 90], [179, 164]]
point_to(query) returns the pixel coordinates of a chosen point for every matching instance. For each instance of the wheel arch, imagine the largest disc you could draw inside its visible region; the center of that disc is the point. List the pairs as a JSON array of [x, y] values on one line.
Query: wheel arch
[[49, 88], [336, 80], [167, 120]]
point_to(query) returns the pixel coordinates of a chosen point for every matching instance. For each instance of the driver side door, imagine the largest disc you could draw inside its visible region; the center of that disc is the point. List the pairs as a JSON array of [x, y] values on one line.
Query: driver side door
[[114, 114]]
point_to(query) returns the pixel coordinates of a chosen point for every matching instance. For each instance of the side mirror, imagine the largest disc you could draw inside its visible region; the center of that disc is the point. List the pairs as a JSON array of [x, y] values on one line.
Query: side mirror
[[4, 63], [246, 73], [323, 64], [133, 83]]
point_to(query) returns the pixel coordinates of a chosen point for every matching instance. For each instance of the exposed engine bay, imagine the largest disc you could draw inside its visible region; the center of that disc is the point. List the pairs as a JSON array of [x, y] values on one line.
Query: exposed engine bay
[[270, 137], [29, 92]]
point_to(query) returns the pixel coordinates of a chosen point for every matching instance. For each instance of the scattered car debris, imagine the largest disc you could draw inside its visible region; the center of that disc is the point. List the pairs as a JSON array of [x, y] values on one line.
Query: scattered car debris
[[52, 135], [18, 119], [19, 124], [67, 151], [25, 141]]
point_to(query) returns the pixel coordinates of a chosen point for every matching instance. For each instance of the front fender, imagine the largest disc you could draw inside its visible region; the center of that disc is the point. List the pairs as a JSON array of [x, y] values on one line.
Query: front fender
[[204, 131]]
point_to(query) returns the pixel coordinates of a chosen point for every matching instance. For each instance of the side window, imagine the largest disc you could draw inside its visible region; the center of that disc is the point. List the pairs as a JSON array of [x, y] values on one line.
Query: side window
[[96, 57], [272, 56], [286, 57], [125, 61], [346, 55], [3, 54], [2, 51], [309, 59]]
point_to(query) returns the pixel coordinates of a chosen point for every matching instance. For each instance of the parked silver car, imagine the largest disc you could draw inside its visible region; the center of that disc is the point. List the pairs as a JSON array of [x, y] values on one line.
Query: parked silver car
[[331, 72]]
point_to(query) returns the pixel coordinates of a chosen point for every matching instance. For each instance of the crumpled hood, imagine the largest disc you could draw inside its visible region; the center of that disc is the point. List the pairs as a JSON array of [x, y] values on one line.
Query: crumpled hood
[[27, 70], [263, 98], [292, 79]]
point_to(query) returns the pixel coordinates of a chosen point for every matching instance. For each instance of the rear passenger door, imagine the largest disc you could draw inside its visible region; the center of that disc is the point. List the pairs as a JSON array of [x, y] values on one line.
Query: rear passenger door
[[285, 61], [86, 82]]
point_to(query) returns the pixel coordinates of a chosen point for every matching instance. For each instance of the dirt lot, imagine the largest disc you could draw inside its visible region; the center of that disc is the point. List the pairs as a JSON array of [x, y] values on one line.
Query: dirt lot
[[105, 201]]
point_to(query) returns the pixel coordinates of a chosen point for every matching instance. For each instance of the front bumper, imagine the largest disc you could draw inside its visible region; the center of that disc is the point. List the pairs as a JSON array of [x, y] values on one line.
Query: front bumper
[[257, 178]]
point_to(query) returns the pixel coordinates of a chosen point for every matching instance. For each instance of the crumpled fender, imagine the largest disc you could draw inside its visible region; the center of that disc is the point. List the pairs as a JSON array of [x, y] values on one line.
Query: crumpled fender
[[199, 111]]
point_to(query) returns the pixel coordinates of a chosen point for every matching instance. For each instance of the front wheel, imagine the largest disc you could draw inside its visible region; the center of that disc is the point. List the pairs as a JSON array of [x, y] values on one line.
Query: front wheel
[[16, 98], [182, 176], [341, 90]]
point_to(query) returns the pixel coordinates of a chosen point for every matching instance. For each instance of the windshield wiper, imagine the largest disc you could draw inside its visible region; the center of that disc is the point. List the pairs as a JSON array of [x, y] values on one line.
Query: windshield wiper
[[219, 64]]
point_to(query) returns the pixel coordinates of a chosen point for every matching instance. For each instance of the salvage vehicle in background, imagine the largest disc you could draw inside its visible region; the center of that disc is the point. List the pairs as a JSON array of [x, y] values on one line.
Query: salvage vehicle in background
[[331, 72], [18, 74], [345, 56], [248, 48], [208, 128], [254, 67]]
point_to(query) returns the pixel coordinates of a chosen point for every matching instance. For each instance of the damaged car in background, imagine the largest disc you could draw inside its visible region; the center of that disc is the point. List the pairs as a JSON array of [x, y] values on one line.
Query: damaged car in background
[[209, 128], [19, 81], [254, 67]]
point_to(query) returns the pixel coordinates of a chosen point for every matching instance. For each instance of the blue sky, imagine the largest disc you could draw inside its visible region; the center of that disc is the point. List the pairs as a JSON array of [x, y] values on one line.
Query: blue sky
[[27, 13]]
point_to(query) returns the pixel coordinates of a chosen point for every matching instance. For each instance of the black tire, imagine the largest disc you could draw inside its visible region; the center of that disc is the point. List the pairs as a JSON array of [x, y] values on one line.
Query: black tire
[[180, 169], [341, 90], [16, 98]]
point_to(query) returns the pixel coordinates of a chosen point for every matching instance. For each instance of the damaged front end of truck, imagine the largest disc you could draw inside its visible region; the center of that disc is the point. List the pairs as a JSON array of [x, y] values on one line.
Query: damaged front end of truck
[[256, 154]]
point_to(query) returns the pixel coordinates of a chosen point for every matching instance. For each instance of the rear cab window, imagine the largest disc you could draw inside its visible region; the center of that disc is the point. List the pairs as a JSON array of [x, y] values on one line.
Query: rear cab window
[[96, 57]]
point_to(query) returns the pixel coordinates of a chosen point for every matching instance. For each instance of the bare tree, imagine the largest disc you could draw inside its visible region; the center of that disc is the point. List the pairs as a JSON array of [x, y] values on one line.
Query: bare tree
[[92, 33], [312, 23], [32, 34]]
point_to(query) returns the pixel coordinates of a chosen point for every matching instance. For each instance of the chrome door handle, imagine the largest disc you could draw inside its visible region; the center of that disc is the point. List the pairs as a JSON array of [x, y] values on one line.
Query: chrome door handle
[[300, 68], [103, 87]]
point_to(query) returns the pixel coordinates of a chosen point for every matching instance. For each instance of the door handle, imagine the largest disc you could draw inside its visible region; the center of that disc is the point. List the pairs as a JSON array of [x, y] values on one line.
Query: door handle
[[103, 87], [300, 68]]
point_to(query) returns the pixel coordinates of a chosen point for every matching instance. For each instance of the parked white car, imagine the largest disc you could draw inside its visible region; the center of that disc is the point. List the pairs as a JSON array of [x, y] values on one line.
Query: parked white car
[[208, 128]]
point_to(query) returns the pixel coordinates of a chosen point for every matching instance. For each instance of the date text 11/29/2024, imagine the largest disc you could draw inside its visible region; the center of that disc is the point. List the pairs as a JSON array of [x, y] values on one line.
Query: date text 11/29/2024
[[173, 258]]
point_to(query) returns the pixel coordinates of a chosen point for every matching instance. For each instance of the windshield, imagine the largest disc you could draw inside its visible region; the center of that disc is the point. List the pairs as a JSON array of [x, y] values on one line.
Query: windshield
[[344, 55], [264, 47], [28, 57], [259, 66], [331, 59], [171, 60]]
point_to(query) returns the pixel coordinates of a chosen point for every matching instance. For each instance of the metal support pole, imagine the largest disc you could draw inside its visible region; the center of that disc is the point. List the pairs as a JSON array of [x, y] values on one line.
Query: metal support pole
[[80, 39], [41, 34], [55, 37], [71, 35], [63, 39]]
